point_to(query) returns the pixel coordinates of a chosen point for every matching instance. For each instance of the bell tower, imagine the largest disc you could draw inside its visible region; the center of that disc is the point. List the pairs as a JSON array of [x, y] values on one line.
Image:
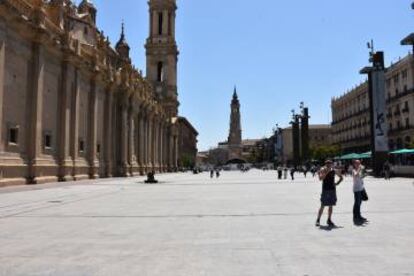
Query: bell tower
[[162, 53], [235, 134]]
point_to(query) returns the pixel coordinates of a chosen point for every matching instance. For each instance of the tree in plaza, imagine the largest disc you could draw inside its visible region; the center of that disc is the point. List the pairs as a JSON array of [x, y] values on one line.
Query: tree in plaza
[[186, 161], [322, 153]]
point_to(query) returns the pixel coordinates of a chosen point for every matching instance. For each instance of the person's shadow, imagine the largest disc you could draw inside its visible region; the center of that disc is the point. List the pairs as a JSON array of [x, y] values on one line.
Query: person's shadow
[[330, 228], [361, 223]]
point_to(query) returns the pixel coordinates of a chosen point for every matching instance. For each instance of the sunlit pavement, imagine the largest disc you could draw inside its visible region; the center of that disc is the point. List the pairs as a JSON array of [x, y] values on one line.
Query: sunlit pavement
[[239, 224]]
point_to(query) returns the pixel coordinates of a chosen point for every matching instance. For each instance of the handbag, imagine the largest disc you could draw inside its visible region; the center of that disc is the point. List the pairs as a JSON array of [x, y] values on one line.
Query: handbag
[[364, 195]]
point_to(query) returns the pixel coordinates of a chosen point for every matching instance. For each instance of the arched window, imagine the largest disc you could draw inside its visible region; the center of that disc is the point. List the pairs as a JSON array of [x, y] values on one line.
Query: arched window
[[160, 22], [160, 72]]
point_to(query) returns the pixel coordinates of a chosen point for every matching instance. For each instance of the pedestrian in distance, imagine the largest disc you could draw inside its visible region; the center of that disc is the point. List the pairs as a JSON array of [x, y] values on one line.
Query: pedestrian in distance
[[211, 173], [387, 170], [279, 172], [217, 173], [313, 170], [360, 194], [292, 173], [328, 197]]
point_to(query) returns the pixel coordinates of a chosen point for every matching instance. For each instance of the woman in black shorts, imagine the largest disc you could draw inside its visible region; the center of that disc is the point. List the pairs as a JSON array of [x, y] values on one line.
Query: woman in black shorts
[[328, 197]]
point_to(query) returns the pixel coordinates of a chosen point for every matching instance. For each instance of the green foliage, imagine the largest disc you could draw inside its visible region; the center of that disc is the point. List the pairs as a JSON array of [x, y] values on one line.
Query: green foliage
[[255, 156], [322, 153], [186, 161]]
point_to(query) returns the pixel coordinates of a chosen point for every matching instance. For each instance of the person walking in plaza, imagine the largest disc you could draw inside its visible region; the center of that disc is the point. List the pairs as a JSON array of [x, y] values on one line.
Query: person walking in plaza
[[279, 172], [217, 173], [328, 198], [387, 170], [285, 172], [292, 173], [211, 173], [360, 193]]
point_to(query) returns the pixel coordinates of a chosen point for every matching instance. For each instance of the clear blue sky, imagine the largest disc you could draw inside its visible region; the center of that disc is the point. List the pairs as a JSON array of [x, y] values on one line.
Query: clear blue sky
[[278, 53]]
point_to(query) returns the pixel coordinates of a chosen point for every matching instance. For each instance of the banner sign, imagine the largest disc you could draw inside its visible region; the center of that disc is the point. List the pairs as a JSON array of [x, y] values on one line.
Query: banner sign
[[379, 109]]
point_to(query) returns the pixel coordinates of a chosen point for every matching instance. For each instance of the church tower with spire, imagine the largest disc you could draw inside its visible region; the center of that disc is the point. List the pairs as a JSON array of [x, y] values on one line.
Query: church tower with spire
[[162, 53], [122, 46], [235, 135]]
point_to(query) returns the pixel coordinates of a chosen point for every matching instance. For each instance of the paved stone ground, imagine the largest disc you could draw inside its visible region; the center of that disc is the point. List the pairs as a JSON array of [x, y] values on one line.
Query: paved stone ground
[[240, 224]]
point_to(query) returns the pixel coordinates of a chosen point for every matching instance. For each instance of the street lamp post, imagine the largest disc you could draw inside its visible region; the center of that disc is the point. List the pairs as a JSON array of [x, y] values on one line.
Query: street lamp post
[[296, 138], [304, 132], [278, 144]]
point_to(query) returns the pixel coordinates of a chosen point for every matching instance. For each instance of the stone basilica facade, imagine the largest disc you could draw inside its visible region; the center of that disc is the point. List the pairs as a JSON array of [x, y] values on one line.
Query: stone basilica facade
[[72, 107]]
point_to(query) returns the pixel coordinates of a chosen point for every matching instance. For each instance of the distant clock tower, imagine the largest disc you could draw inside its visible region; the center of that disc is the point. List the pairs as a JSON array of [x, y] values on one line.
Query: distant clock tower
[[162, 53], [235, 135]]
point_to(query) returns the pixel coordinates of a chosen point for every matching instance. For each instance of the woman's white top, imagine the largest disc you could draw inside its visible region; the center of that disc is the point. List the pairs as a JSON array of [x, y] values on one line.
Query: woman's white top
[[358, 180]]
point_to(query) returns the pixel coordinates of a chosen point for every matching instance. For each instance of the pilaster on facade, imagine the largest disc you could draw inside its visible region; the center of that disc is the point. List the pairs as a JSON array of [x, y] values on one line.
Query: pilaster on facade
[[108, 150], [74, 122], [2, 81], [34, 112], [92, 128], [63, 135], [154, 147]]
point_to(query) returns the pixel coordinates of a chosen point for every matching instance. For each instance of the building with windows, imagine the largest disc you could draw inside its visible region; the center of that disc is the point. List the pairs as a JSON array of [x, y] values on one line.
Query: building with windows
[[73, 107], [187, 144], [351, 116], [319, 135]]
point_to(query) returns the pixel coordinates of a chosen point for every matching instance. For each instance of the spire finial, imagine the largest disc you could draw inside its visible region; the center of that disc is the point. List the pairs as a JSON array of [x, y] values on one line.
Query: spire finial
[[235, 92], [123, 29]]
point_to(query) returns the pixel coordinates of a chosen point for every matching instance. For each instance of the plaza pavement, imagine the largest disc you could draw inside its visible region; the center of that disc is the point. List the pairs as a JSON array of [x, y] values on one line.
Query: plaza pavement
[[240, 224]]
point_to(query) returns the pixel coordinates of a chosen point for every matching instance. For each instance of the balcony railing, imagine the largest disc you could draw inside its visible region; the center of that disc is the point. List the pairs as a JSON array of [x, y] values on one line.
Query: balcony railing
[[362, 111], [400, 95]]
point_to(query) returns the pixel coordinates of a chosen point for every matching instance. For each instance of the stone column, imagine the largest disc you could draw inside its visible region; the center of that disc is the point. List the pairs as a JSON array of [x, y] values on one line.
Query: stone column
[[92, 127], [34, 111], [2, 83], [138, 142], [74, 122], [154, 23], [173, 25], [155, 144], [145, 142], [150, 143], [175, 161], [162, 155], [171, 150], [142, 142], [160, 141], [166, 147], [131, 140], [108, 130], [63, 135], [165, 22], [123, 170]]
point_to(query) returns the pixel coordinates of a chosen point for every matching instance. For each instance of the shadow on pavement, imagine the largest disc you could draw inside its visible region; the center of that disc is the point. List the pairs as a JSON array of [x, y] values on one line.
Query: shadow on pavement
[[329, 228]]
